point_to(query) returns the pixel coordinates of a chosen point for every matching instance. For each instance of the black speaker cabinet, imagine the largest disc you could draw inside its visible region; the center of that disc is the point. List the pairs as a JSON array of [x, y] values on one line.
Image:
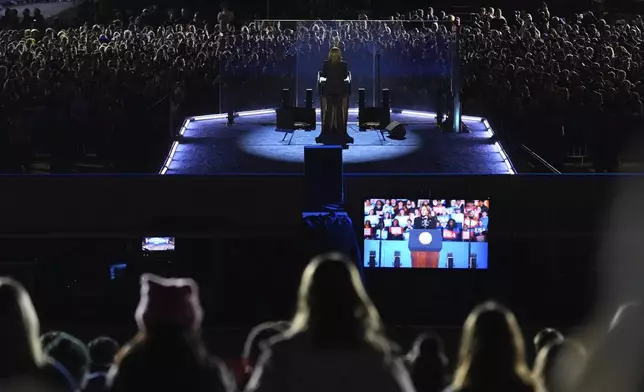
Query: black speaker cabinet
[[377, 115], [323, 174], [295, 118], [396, 130]]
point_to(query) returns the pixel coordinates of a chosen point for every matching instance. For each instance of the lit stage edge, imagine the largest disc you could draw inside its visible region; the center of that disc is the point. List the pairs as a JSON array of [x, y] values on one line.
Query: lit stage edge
[[414, 113]]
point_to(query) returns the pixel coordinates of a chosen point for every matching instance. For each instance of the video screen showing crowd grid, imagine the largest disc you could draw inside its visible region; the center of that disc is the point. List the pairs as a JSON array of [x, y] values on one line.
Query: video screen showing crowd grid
[[425, 233]]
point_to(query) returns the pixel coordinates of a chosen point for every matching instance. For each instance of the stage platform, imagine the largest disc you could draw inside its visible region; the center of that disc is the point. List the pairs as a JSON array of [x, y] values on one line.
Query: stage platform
[[254, 146], [48, 10]]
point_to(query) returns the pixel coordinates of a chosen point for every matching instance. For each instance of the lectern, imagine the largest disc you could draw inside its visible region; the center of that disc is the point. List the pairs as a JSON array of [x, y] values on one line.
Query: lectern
[[326, 134], [425, 247]]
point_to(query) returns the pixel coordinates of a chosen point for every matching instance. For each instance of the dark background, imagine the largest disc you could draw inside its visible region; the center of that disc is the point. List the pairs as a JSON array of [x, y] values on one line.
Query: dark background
[[242, 243]]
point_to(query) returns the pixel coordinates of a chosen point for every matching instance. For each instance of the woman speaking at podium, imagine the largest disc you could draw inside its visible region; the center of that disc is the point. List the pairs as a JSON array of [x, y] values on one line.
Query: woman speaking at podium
[[335, 88]]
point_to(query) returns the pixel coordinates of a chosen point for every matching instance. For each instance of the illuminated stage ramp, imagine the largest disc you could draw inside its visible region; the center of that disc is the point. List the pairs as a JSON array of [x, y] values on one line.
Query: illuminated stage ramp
[[253, 146]]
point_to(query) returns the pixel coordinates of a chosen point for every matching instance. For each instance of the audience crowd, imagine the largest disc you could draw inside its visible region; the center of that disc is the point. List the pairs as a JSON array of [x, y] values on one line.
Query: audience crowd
[[557, 82], [98, 88], [335, 341]]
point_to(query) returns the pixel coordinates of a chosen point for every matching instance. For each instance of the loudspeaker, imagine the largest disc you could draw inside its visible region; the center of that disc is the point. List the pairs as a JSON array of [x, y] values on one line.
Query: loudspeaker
[[386, 98], [396, 130], [285, 118], [308, 101], [362, 98], [293, 118], [323, 177], [286, 98]]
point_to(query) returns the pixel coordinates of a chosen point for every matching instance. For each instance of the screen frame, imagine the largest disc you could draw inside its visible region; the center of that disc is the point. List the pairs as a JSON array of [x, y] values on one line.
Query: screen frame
[[174, 249], [357, 217]]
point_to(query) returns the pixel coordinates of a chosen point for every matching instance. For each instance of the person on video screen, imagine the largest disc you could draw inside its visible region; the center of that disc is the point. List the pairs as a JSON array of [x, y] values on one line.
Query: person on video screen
[[379, 207], [451, 231], [396, 231], [389, 208], [370, 231], [425, 221], [410, 225], [367, 207]]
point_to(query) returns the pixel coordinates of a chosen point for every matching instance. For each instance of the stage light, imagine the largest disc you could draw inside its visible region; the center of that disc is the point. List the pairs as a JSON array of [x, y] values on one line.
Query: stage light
[[473, 261], [170, 157], [471, 118], [417, 113], [219, 116], [186, 122], [256, 112], [372, 259]]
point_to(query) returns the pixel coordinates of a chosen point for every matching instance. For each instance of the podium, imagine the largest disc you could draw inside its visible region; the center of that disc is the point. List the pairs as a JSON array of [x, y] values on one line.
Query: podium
[[322, 81], [425, 247], [340, 136]]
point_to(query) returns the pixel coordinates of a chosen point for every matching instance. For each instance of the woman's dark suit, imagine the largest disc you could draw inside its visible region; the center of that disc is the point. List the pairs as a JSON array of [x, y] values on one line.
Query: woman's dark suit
[[335, 102]]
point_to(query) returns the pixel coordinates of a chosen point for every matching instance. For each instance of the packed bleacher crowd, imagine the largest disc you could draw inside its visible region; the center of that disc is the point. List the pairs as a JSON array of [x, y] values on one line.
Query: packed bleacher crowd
[[557, 82], [336, 341]]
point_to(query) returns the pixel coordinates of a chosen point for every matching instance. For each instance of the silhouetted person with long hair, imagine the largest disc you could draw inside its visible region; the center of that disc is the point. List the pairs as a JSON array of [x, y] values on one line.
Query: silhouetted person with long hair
[[23, 364], [336, 340], [428, 364], [492, 353], [559, 365], [168, 353]]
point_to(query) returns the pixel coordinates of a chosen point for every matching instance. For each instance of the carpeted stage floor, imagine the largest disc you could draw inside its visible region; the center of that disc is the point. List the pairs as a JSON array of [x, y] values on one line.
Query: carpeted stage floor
[[253, 146]]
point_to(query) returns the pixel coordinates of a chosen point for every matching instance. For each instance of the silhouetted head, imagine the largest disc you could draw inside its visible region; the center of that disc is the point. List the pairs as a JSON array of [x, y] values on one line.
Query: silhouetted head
[[21, 351], [492, 353], [334, 307], [69, 352], [559, 365], [428, 363], [102, 351], [545, 337], [335, 55], [168, 304]]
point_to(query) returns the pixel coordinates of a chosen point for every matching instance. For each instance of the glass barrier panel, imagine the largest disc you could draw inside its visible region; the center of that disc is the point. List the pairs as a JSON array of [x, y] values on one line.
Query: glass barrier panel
[[256, 63], [355, 40], [415, 60]]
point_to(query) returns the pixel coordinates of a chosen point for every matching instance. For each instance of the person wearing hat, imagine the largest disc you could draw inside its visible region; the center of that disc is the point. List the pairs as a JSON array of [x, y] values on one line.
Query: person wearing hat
[[168, 352]]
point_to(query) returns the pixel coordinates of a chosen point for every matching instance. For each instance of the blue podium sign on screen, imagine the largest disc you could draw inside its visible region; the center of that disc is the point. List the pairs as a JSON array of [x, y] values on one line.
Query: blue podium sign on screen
[[425, 240]]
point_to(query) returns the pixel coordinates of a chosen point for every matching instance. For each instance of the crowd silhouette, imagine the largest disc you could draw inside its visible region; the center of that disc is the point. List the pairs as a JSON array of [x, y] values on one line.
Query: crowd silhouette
[[336, 340]]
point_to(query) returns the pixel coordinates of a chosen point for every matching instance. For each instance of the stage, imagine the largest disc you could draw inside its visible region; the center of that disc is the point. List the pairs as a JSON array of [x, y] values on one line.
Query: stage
[[48, 10], [207, 145]]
